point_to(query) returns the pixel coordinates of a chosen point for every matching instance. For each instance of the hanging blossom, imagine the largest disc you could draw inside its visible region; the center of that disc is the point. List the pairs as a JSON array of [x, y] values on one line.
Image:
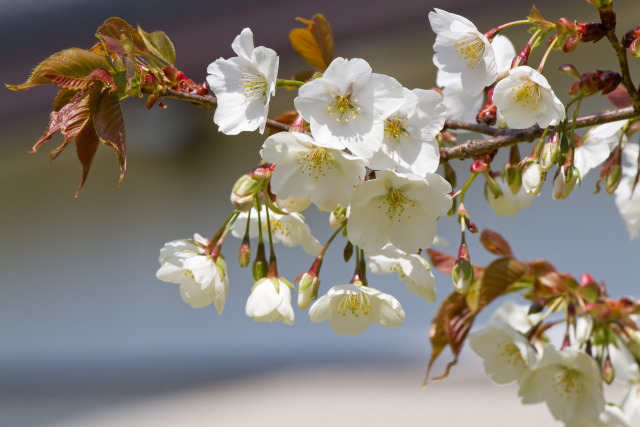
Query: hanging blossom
[[347, 106], [243, 85], [396, 208], [627, 198], [508, 203], [508, 355], [461, 105], [290, 229], [411, 268], [460, 48], [270, 301], [570, 383], [525, 98], [409, 143], [303, 168], [597, 144], [351, 308], [202, 280]]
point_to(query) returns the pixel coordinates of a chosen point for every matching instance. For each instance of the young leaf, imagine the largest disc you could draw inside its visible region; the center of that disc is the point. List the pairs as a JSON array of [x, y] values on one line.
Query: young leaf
[[109, 125], [495, 243], [72, 63], [117, 29], [159, 44], [498, 277], [87, 143], [314, 43], [444, 263]]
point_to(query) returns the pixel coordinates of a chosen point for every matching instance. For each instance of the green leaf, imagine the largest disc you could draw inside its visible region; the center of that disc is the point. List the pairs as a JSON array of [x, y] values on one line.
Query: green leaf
[[72, 63], [498, 277], [159, 44], [314, 43]]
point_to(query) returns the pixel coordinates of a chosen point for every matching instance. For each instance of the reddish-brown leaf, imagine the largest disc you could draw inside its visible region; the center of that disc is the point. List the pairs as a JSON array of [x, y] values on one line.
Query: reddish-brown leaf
[[115, 30], [450, 326], [314, 43], [109, 125], [495, 243], [87, 143], [498, 277], [73, 63]]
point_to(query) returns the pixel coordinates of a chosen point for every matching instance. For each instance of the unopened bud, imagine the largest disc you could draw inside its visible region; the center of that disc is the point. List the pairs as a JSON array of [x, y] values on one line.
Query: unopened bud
[[608, 372], [532, 177], [338, 217], [462, 275], [308, 289], [564, 181], [630, 37], [591, 31], [297, 125], [550, 152], [244, 253], [242, 193], [348, 251], [488, 114], [592, 83], [613, 178], [571, 70], [262, 171], [478, 166], [568, 36]]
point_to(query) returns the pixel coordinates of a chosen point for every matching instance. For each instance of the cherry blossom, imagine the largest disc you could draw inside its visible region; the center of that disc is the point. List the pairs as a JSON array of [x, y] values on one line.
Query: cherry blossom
[[351, 308], [202, 280], [243, 85], [270, 301], [597, 144]]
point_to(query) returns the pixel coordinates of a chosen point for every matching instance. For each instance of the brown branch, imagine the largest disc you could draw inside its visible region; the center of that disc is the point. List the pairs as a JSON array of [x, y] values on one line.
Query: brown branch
[[507, 137], [469, 149], [211, 103]]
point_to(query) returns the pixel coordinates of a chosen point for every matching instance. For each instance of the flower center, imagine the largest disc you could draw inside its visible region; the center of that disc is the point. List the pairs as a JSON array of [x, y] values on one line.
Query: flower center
[[344, 108], [355, 303], [394, 128], [510, 353], [527, 93], [189, 273], [316, 161], [278, 226], [253, 86], [566, 384], [395, 202], [472, 51]]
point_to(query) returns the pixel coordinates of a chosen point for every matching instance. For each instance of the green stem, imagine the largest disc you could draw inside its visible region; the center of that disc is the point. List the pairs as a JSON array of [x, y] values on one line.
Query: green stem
[[492, 33], [222, 231], [546, 54], [282, 82]]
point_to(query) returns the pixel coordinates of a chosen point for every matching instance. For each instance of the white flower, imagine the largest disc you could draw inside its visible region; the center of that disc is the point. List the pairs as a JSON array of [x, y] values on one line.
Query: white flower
[[515, 315], [569, 381], [461, 48], [628, 201], [303, 168], [351, 308], [508, 203], [202, 280], [290, 230], [293, 204], [461, 105], [270, 301], [612, 416], [243, 85], [400, 209], [411, 268], [524, 98], [597, 144], [508, 355], [410, 134], [347, 106]]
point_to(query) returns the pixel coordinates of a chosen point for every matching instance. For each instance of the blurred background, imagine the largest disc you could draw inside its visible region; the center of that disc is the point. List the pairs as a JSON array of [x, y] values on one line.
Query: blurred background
[[89, 336]]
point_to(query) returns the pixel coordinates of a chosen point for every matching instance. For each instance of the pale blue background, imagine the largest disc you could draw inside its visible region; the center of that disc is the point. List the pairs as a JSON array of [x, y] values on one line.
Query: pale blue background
[[85, 324]]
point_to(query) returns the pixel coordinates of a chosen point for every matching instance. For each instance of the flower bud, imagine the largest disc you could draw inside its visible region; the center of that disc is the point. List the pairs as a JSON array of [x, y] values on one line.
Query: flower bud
[[571, 70], [462, 275], [591, 31], [592, 83], [242, 193], [608, 372], [338, 217], [244, 253], [478, 166], [613, 178], [550, 152], [308, 289], [564, 181], [488, 114], [532, 177], [262, 171], [260, 264]]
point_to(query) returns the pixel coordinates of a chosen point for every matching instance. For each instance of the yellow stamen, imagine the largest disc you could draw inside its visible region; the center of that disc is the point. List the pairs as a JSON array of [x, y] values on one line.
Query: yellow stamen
[[394, 128], [355, 303], [344, 107], [527, 93], [316, 161]]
